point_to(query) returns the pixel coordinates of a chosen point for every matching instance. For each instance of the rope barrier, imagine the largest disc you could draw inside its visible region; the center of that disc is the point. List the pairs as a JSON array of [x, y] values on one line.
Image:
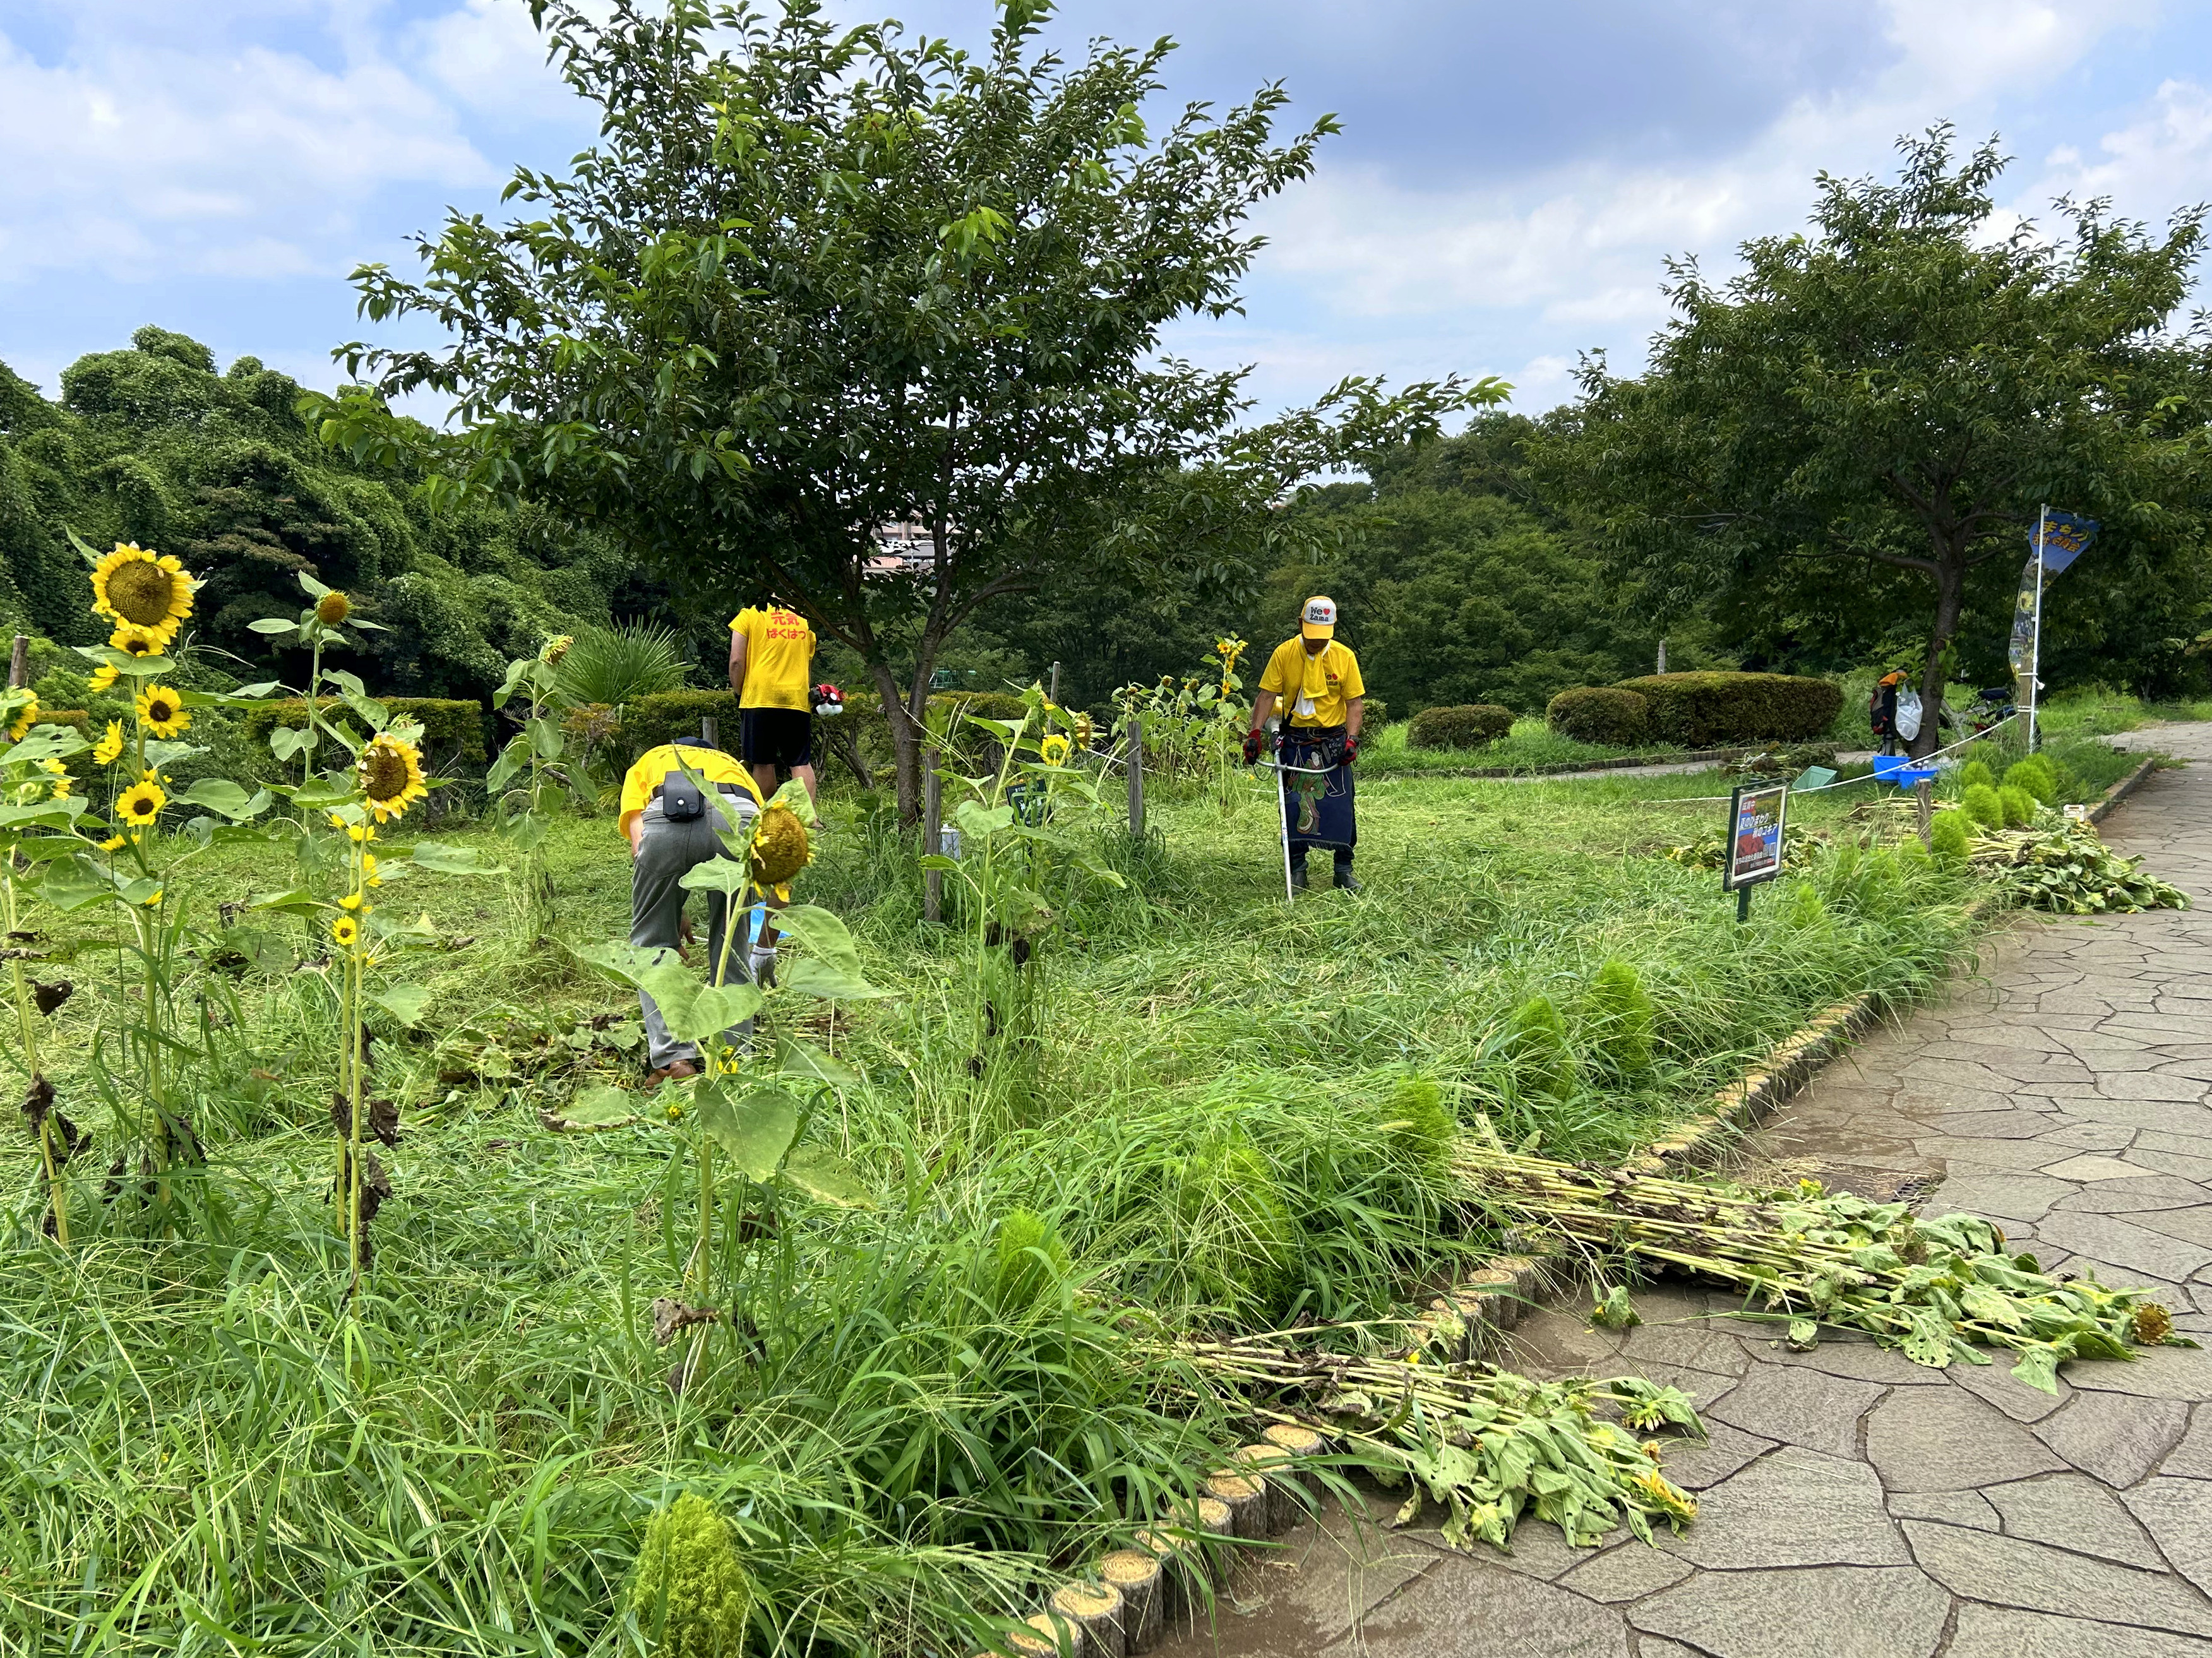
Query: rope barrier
[[1846, 782]]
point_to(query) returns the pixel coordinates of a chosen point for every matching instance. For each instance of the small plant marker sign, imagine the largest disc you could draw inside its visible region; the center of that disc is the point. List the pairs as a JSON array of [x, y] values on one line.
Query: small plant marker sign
[[1756, 812]]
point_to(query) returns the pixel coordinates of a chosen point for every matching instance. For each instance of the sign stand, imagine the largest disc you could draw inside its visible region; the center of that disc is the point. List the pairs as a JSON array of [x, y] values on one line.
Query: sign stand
[[1757, 813], [2035, 650]]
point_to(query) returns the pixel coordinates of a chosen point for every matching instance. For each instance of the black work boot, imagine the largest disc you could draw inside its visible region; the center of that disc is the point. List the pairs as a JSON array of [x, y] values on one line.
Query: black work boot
[[1344, 880], [1298, 876]]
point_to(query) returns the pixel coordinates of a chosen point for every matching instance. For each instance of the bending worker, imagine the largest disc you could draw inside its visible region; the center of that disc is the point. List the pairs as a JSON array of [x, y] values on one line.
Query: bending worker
[[1319, 680], [771, 654], [673, 823]]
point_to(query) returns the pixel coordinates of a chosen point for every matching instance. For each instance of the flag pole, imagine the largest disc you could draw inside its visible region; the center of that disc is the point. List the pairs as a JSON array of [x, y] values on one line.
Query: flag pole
[[2035, 649]]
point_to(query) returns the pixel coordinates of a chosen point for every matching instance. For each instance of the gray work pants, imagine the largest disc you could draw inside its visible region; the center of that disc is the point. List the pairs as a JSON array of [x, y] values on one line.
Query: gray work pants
[[666, 852]]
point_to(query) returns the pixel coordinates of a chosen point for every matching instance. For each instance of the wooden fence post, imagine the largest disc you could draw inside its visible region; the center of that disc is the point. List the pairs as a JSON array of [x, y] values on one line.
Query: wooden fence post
[[933, 842], [1136, 758], [710, 732], [1054, 692], [19, 662]]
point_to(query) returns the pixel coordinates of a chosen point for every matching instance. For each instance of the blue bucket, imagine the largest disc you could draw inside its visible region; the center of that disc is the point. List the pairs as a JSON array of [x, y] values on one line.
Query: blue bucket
[[1900, 769]]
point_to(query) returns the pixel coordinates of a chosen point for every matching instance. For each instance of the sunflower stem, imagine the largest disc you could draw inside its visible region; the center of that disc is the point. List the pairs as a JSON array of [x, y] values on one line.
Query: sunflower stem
[[27, 1025]]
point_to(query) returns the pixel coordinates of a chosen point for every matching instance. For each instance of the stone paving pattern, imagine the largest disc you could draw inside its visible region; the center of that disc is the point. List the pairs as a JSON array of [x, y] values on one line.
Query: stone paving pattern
[[1853, 1504]]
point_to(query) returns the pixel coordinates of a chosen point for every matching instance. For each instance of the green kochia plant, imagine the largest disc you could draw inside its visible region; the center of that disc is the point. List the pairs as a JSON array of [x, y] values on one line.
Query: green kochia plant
[[691, 1593], [1619, 1013], [750, 1106]]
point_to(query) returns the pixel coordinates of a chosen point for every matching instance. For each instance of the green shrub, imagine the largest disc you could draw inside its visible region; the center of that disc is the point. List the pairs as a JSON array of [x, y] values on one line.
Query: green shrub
[[1981, 804], [1374, 713], [75, 719], [1950, 836], [669, 716], [2019, 806], [1912, 858], [1239, 1243], [1418, 1127], [1976, 771], [1536, 1043], [1620, 1014], [616, 665], [1706, 709], [2037, 776], [452, 729], [691, 1593], [1601, 713], [1466, 727], [1029, 1262]]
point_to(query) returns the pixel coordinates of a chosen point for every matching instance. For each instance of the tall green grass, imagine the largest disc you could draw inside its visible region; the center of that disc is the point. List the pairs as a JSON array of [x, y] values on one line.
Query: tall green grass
[[207, 1451]]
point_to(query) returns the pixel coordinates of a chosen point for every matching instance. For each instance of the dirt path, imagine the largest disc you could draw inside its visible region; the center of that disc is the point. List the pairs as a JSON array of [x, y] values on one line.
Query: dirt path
[[1855, 1505]]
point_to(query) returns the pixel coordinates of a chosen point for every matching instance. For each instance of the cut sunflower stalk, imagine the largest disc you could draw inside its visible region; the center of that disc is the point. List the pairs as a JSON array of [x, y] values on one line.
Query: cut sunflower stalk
[[1940, 1289], [2062, 865], [1491, 1447]]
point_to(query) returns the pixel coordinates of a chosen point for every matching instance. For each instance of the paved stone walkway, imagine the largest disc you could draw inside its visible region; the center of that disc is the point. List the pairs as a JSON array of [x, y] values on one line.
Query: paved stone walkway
[[1855, 1505]]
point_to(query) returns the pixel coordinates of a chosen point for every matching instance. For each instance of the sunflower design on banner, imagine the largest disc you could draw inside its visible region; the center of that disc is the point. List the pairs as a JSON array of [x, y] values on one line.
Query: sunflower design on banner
[[135, 588]]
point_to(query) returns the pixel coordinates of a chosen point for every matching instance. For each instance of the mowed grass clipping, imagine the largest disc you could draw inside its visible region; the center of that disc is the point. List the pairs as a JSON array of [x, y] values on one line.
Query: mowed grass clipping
[[206, 1451]]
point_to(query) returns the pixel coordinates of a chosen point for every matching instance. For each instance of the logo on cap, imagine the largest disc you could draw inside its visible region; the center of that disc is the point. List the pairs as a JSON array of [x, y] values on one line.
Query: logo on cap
[[1319, 620]]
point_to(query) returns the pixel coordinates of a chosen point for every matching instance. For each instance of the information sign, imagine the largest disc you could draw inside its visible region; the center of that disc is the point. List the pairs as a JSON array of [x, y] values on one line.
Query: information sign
[[1756, 812]]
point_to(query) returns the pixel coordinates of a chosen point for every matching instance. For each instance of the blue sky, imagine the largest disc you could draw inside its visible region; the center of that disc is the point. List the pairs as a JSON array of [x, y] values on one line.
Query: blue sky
[[1510, 178]]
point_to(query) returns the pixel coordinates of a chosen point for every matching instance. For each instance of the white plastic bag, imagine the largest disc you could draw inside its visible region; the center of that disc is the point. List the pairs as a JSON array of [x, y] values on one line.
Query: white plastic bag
[[1908, 714]]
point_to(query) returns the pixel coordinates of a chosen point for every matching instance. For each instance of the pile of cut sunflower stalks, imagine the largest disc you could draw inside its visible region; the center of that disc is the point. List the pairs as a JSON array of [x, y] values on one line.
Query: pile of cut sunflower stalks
[[1939, 1289], [2062, 864], [1488, 1445]]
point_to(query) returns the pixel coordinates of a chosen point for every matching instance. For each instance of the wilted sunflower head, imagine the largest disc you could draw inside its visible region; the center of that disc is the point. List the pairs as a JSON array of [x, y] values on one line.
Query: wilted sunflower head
[[780, 847], [2152, 1324], [391, 774], [333, 608], [556, 648], [141, 804], [136, 586], [1085, 730], [162, 711]]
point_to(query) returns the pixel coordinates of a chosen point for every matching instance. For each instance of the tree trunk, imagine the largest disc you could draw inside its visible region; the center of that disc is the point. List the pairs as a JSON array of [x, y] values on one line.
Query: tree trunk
[[1950, 600], [906, 742]]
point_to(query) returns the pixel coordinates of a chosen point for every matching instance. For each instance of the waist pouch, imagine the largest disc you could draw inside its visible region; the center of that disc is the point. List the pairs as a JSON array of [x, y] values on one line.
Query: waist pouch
[[682, 800]]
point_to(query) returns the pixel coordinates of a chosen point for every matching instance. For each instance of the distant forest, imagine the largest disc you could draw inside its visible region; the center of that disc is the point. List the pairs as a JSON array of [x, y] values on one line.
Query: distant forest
[[1460, 579]]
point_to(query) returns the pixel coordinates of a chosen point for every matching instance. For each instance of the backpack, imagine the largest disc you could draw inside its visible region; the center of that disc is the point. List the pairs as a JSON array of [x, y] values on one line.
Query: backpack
[[1881, 707]]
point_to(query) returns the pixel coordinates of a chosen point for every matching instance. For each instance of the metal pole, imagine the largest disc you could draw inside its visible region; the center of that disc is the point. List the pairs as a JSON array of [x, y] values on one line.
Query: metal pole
[[1283, 823], [1923, 794], [1053, 694], [2035, 650], [1663, 656], [1137, 776], [933, 841], [19, 662], [1742, 905], [710, 732]]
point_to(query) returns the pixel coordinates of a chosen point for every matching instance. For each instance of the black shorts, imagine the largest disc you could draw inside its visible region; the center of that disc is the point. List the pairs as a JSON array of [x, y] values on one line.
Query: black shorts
[[775, 736]]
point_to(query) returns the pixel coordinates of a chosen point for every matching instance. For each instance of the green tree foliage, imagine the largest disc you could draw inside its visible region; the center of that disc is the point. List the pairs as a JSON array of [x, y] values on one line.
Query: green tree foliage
[[813, 281], [1460, 585], [1858, 429], [152, 444]]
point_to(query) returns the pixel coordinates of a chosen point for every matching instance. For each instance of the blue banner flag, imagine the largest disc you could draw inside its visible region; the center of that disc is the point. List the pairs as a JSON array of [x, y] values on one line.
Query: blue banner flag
[[2064, 537]]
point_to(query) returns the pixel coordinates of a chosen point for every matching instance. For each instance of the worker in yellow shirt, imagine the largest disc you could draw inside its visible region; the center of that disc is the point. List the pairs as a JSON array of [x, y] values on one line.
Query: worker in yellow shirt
[[771, 656], [678, 802], [1316, 681]]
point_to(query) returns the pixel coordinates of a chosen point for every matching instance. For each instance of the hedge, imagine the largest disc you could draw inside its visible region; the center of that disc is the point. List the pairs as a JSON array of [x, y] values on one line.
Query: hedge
[[451, 728], [1707, 710], [1466, 727], [1601, 713], [651, 721], [75, 719]]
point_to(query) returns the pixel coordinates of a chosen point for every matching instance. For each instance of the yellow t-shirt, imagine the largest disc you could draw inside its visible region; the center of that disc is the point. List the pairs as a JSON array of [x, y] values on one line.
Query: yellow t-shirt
[[779, 651], [652, 769], [1313, 690]]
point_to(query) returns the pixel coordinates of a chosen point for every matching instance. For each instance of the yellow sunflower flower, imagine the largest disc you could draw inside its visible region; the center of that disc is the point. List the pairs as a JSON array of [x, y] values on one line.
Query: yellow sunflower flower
[[24, 720], [162, 711], [345, 930], [154, 901], [141, 804], [1054, 749], [113, 843], [134, 641], [103, 676], [59, 773], [369, 870], [391, 774], [355, 901], [333, 608], [109, 749], [136, 586]]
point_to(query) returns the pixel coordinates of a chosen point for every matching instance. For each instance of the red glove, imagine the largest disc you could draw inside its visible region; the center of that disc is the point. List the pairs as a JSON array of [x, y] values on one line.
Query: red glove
[[828, 699], [1351, 750], [1252, 748]]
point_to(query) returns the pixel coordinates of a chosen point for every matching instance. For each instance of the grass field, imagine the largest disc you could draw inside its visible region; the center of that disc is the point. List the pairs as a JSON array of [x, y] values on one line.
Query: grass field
[[207, 1451]]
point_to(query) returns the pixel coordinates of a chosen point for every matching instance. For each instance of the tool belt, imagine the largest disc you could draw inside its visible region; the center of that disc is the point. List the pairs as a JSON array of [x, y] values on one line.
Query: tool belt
[[682, 800], [1329, 739]]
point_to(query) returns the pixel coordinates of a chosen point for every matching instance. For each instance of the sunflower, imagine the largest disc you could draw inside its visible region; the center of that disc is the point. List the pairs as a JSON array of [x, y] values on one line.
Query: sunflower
[[113, 843], [24, 720], [109, 749], [2151, 1325], [780, 849], [138, 587], [369, 874], [59, 773], [556, 648], [141, 804], [103, 676], [1054, 750], [163, 711], [155, 902], [333, 608], [353, 900], [344, 929], [391, 776], [134, 641]]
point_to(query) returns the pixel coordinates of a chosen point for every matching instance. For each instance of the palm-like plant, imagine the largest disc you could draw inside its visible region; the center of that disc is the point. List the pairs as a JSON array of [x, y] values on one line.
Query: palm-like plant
[[618, 665]]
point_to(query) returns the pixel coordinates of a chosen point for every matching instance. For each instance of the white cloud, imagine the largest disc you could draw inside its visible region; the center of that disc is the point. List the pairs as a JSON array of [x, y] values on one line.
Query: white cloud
[[2161, 160]]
